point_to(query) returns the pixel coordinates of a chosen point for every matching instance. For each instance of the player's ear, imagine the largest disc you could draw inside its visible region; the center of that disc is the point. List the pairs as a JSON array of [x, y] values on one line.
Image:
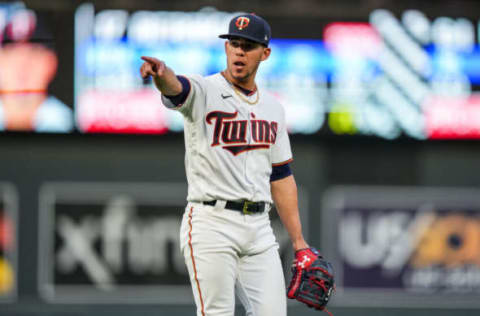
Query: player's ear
[[266, 53]]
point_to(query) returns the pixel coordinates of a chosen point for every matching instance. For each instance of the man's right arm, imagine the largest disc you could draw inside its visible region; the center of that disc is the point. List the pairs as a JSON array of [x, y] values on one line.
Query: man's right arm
[[164, 78], [178, 92]]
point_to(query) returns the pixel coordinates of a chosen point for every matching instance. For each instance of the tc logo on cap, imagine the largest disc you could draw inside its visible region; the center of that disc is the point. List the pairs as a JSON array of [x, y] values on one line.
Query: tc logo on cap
[[242, 22]]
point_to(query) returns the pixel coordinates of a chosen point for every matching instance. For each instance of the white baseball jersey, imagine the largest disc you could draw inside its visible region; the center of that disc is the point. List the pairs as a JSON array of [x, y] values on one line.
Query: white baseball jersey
[[230, 144]]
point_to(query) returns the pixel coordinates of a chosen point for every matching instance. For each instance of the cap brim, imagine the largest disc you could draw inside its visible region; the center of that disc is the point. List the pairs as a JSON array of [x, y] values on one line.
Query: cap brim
[[253, 39]]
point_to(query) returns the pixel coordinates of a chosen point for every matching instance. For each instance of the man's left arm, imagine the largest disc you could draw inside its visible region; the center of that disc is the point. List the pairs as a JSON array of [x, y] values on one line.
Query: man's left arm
[[312, 280], [284, 194]]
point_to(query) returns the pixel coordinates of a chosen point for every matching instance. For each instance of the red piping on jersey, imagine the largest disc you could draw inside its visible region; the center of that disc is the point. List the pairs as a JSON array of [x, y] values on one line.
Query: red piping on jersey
[[282, 163], [193, 260]]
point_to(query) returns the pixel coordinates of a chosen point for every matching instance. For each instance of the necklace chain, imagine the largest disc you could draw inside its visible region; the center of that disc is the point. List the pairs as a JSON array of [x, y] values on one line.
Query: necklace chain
[[241, 96]]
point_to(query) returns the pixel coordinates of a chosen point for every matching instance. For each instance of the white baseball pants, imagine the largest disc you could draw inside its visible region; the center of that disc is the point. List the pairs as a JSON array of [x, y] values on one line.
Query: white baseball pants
[[228, 253]]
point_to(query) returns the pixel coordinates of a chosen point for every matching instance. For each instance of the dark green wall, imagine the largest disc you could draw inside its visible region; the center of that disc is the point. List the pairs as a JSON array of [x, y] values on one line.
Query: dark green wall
[[28, 160]]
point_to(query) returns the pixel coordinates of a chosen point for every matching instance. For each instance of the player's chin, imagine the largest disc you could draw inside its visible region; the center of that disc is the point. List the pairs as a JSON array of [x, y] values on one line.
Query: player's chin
[[240, 76], [238, 72]]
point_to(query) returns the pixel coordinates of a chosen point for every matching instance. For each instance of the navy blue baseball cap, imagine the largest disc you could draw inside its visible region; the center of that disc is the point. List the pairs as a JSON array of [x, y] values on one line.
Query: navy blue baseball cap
[[251, 27]]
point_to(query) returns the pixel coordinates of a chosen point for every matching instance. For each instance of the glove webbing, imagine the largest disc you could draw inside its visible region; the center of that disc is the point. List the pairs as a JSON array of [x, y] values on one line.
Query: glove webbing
[[321, 283]]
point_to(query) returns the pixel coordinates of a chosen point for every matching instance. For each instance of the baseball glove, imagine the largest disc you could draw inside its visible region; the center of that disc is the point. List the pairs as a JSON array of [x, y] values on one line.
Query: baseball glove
[[312, 281]]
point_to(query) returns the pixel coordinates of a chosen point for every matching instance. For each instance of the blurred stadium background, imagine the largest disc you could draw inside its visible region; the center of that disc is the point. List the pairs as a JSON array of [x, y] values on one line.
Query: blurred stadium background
[[383, 108]]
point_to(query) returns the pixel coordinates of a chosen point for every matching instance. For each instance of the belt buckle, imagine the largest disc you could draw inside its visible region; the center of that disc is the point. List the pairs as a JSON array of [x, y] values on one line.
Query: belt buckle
[[245, 207]]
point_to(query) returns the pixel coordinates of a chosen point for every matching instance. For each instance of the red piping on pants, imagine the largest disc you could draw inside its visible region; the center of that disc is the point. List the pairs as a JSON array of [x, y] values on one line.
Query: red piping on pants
[[193, 260]]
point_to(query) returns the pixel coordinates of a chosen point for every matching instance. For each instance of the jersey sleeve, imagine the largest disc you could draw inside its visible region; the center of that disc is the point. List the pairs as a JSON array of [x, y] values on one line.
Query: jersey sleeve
[[281, 150], [195, 100]]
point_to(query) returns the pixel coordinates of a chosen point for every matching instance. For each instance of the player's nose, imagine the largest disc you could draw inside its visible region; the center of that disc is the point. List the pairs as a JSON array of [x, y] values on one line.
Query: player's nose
[[239, 51]]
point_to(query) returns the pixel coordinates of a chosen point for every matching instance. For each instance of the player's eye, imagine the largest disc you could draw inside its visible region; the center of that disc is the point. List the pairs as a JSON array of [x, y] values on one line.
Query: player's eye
[[248, 46], [235, 44]]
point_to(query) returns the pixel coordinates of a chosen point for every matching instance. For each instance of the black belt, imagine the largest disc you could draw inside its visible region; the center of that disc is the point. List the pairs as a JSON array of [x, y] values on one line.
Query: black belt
[[246, 207]]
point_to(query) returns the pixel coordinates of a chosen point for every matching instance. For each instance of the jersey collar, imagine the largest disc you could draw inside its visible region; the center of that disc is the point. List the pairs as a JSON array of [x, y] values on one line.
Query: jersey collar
[[241, 89]]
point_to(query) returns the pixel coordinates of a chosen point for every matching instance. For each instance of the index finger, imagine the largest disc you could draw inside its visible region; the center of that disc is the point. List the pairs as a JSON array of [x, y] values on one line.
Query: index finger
[[149, 60]]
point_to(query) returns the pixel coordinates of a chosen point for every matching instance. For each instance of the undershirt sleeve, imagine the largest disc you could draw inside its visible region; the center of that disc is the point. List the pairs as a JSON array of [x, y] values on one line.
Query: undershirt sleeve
[[280, 172], [180, 98]]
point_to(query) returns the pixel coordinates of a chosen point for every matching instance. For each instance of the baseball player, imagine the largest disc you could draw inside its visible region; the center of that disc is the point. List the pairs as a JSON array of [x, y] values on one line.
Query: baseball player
[[237, 156]]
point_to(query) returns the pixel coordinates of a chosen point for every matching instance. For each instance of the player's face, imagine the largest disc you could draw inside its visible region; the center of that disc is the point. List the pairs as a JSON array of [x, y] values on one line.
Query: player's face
[[243, 58]]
